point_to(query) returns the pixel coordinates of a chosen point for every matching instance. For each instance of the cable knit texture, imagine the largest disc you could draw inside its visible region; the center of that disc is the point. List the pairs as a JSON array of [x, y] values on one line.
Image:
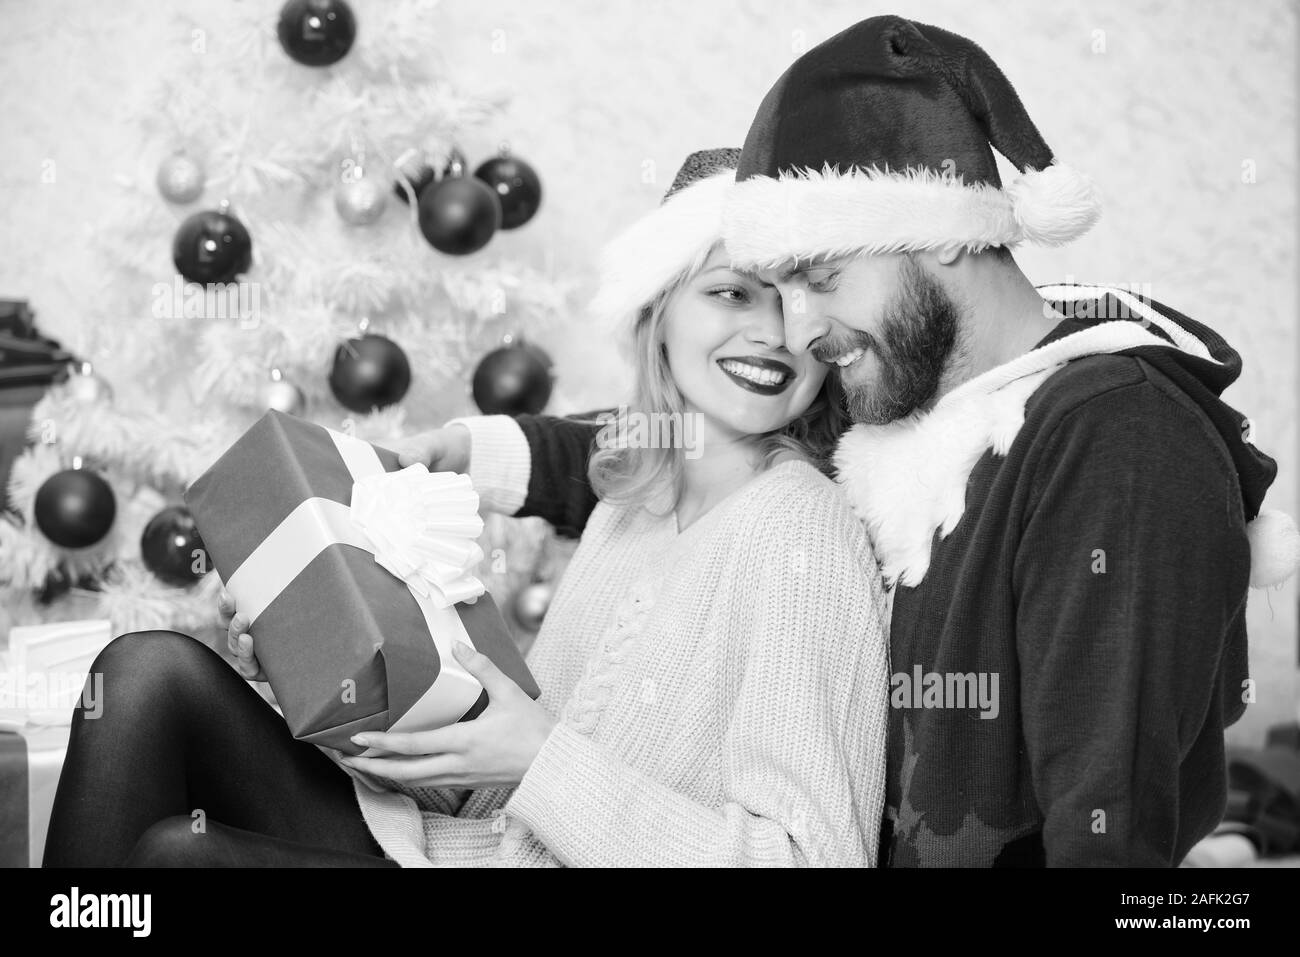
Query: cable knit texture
[[721, 697]]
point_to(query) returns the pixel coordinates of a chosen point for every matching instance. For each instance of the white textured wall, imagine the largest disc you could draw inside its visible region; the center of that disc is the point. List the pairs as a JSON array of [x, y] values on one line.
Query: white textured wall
[[1182, 95]]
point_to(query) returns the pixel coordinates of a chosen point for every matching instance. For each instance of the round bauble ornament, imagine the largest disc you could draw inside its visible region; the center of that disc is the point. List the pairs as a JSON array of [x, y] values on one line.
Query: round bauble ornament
[[75, 508], [212, 246], [317, 32], [513, 380], [172, 549], [369, 373]]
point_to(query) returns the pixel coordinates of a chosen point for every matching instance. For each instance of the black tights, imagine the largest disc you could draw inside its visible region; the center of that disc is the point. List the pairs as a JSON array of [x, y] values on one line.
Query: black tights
[[180, 732]]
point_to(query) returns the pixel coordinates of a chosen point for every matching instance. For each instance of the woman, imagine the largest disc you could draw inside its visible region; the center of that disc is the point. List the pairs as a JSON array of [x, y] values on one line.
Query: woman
[[713, 664]]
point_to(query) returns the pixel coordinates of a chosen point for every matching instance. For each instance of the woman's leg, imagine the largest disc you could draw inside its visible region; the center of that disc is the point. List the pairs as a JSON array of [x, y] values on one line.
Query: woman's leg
[[179, 732], [173, 842]]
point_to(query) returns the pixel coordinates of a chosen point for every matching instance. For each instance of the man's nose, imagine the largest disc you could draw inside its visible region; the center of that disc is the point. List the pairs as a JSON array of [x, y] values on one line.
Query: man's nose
[[804, 325]]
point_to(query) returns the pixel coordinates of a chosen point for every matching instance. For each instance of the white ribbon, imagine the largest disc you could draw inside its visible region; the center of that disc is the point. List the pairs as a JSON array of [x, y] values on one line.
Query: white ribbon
[[420, 526]]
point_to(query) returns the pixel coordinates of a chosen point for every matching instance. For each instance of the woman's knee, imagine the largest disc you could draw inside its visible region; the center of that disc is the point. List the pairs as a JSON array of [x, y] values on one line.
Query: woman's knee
[[152, 652], [172, 842]]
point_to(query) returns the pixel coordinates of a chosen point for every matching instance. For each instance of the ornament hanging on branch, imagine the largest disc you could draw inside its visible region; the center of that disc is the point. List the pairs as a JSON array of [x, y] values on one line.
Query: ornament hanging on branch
[[317, 32], [212, 246], [75, 508], [180, 178], [369, 373], [172, 549], [412, 174], [459, 215], [359, 199], [86, 385], [531, 604], [282, 395], [513, 380], [517, 186]]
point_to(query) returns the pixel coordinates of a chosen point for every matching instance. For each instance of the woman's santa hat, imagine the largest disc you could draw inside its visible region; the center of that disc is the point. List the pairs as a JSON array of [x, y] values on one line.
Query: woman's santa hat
[[881, 140], [673, 239]]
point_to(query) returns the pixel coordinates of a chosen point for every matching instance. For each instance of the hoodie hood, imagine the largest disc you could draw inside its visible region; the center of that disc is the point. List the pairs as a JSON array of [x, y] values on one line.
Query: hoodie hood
[[878, 464]]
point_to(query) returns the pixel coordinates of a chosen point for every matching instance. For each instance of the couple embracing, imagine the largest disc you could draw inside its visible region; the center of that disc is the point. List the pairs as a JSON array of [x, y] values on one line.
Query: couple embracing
[[956, 574]]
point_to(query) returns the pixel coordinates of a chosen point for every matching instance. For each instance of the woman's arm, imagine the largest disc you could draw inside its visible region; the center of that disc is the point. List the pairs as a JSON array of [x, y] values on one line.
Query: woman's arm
[[805, 689]]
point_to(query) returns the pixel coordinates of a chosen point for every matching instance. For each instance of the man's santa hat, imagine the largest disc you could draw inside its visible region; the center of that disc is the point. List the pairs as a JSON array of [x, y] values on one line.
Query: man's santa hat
[[881, 140]]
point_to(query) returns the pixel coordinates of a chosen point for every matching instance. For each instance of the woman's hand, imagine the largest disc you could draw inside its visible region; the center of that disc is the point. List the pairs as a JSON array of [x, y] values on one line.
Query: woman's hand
[[495, 749], [439, 450], [238, 640]]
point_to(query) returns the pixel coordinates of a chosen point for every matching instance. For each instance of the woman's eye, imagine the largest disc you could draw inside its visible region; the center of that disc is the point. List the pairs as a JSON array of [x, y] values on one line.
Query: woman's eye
[[730, 294], [824, 283]]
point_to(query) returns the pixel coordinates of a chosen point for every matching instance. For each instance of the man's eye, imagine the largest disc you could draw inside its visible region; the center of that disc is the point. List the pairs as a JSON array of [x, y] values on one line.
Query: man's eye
[[824, 283]]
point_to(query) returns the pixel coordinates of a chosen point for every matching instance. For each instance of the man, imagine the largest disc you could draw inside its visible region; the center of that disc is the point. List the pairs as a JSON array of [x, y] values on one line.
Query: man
[[1049, 476]]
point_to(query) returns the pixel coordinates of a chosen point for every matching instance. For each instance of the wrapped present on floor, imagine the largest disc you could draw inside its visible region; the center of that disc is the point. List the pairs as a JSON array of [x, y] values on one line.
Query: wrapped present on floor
[[46, 671], [357, 576]]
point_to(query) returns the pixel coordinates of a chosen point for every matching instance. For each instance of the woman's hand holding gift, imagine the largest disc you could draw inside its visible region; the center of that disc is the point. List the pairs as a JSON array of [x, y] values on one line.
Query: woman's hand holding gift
[[496, 749], [238, 640]]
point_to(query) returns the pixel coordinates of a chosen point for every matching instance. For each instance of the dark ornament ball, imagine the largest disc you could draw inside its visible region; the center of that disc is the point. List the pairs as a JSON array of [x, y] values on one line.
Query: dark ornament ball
[[369, 373], [459, 215], [518, 189], [513, 380], [172, 549], [317, 32], [75, 508], [212, 246]]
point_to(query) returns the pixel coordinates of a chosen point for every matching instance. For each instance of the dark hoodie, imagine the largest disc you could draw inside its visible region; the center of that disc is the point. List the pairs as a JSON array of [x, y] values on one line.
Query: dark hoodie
[[1100, 569]]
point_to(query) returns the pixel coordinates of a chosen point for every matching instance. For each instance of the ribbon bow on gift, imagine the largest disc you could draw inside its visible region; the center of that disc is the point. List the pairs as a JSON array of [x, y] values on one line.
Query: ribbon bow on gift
[[422, 526]]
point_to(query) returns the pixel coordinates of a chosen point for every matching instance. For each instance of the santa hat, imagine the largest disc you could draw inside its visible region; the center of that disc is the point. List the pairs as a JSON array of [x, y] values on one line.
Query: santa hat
[[672, 239], [881, 140]]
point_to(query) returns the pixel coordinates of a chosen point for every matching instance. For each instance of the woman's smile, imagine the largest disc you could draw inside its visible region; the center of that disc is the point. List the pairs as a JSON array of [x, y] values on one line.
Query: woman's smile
[[759, 374]]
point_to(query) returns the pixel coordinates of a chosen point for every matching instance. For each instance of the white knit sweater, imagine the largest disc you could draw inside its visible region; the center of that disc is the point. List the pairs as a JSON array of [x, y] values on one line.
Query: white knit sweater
[[721, 696]]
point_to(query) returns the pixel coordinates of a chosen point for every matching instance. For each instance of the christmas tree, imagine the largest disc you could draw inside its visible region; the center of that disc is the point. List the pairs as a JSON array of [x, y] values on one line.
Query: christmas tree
[[304, 233]]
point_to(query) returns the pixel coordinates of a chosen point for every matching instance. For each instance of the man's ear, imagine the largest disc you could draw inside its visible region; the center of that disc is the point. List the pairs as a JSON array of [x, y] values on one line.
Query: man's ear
[[948, 256]]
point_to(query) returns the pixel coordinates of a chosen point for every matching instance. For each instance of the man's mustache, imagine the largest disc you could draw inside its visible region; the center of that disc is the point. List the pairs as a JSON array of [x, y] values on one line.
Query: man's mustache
[[827, 350]]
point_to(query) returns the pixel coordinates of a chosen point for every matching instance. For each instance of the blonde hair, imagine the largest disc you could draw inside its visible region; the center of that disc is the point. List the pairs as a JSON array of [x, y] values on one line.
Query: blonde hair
[[628, 475]]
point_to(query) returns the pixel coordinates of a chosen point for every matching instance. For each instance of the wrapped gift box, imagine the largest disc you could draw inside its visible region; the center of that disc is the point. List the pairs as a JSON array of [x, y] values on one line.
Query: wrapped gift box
[[45, 670], [357, 576]]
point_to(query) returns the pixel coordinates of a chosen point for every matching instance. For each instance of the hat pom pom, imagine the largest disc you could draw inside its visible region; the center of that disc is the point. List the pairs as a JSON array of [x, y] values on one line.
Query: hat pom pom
[[1274, 548], [1054, 205]]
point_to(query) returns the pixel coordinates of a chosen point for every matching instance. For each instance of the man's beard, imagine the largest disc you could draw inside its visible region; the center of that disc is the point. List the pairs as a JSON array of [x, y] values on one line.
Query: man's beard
[[914, 348]]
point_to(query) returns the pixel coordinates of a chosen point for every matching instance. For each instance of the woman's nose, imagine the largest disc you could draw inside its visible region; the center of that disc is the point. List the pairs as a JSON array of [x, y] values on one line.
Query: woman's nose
[[767, 329]]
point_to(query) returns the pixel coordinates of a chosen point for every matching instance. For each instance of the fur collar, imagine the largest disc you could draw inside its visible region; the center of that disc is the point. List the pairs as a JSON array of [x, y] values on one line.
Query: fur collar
[[907, 479]]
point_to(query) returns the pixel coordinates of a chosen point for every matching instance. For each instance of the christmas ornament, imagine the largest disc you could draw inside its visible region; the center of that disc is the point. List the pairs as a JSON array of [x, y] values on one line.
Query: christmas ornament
[[459, 215], [369, 372], [282, 395], [413, 172], [513, 380], [212, 246], [85, 385], [172, 549], [359, 199], [180, 178], [75, 508], [317, 32], [455, 164], [518, 188], [531, 604]]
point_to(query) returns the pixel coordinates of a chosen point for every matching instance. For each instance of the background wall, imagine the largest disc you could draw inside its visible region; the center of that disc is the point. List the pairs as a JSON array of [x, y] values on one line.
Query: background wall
[[1184, 113]]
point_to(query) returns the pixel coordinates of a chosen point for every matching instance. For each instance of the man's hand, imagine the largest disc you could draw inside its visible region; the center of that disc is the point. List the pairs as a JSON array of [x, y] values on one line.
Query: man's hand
[[495, 749], [439, 450], [238, 640]]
